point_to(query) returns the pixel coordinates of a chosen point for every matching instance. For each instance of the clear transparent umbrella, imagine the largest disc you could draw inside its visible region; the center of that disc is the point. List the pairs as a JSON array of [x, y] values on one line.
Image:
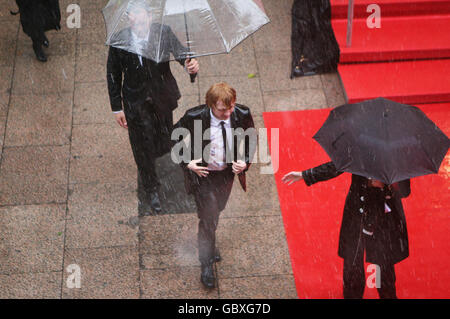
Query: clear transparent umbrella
[[164, 30]]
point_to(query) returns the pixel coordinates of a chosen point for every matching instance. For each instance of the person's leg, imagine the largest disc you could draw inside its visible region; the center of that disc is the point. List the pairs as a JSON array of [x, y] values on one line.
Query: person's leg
[[147, 178], [354, 274], [296, 41], [33, 26], [38, 40], [387, 289], [224, 181], [208, 214]]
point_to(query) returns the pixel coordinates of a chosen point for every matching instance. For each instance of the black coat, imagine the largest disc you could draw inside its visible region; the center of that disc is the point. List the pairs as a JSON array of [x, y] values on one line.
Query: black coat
[[364, 208], [38, 16], [313, 36], [131, 84], [240, 118]]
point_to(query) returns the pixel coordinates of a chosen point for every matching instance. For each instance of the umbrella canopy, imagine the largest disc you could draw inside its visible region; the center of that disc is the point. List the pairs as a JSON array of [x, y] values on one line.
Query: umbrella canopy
[[383, 140], [164, 30]]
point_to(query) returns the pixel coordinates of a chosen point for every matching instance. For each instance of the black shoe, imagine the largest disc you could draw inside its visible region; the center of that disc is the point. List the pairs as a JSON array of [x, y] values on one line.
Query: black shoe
[[207, 277], [149, 205], [144, 209], [303, 71], [217, 257], [40, 55], [296, 72], [155, 203]]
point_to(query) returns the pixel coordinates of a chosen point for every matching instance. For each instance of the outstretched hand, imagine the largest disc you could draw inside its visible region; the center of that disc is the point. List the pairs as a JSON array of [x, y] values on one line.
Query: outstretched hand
[[292, 177]]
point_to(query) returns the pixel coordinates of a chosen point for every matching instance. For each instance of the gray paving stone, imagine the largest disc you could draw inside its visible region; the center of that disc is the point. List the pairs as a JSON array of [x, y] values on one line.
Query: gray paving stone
[[263, 287], [252, 246], [111, 273], [34, 174], [32, 238], [39, 120], [101, 215], [175, 283], [31, 286]]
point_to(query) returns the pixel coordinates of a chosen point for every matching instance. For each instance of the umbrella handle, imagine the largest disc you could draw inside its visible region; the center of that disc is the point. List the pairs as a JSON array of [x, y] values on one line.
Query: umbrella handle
[[193, 76]]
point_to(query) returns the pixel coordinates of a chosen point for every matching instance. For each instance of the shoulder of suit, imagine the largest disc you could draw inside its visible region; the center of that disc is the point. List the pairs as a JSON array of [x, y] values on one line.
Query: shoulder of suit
[[241, 107], [196, 111], [242, 110]]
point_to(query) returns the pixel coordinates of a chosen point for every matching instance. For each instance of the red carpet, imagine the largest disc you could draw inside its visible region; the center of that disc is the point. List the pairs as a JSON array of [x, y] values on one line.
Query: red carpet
[[410, 82], [312, 215], [413, 35], [392, 7], [399, 38]]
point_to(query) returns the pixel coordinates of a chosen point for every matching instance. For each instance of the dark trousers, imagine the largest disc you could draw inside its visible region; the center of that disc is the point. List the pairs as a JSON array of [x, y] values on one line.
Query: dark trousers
[[355, 279], [149, 134], [211, 196]]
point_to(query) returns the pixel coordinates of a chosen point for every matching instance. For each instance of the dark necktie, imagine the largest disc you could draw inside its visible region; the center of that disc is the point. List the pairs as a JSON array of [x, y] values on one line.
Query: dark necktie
[[224, 136]]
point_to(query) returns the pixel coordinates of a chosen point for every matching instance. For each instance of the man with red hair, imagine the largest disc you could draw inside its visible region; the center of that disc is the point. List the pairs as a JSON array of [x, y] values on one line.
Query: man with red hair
[[210, 177]]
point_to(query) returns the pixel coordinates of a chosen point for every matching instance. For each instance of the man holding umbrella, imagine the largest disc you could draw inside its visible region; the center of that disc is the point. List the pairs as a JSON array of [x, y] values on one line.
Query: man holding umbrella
[[383, 144], [143, 95]]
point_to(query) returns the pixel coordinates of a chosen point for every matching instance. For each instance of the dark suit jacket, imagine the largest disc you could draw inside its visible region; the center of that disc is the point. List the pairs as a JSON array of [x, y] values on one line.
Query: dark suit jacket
[[364, 207], [132, 83], [37, 16], [240, 118], [313, 36]]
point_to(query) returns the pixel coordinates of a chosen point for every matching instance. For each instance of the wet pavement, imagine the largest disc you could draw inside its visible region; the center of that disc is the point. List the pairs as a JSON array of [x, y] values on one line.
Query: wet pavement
[[68, 178]]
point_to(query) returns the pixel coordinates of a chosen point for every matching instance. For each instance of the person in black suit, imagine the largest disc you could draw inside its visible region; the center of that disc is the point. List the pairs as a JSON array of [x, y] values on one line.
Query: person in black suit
[[143, 95], [373, 222], [229, 128], [36, 17], [314, 46]]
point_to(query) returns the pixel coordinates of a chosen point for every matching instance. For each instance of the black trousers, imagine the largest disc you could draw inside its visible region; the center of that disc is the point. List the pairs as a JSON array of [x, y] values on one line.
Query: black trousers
[[38, 16], [355, 279], [149, 134], [211, 197]]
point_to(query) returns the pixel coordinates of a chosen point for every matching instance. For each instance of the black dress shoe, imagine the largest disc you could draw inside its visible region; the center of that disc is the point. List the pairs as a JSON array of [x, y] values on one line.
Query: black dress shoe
[[40, 55], [144, 209], [217, 257], [207, 277], [155, 203], [303, 71]]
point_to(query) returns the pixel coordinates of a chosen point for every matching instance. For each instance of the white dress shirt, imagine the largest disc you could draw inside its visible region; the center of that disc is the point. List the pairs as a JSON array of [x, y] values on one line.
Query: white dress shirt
[[217, 152]]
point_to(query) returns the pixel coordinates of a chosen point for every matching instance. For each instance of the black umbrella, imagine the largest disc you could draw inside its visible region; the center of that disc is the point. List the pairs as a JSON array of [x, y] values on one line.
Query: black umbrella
[[383, 140]]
